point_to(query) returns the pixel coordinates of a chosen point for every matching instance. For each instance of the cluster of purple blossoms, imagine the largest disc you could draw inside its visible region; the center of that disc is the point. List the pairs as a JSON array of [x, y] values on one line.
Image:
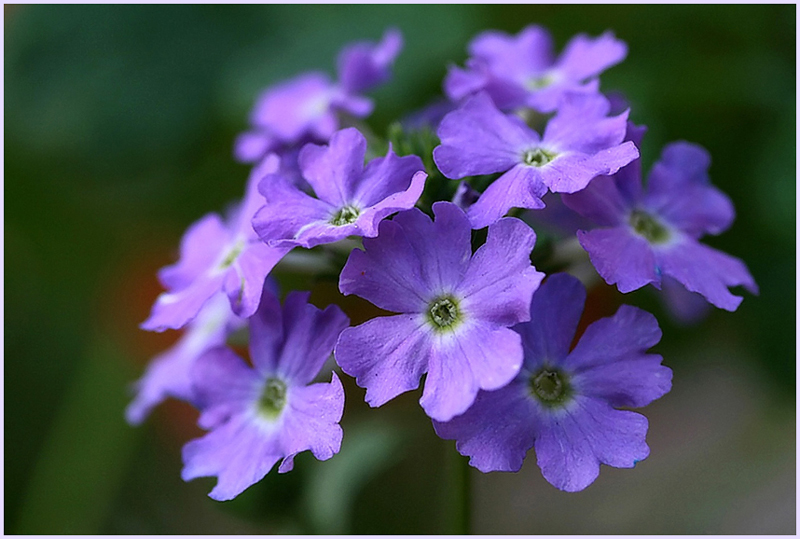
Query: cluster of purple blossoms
[[490, 333], [309, 108]]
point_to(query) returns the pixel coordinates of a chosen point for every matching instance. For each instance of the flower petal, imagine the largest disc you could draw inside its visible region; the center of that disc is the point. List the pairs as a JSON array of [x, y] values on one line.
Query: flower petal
[[496, 432], [520, 187], [621, 258], [387, 272], [385, 176], [167, 374], [242, 218], [571, 172], [479, 139], [238, 453], [174, 310], [571, 444], [287, 214], [679, 190], [610, 360], [309, 337], [370, 218], [581, 125], [500, 280], [443, 246], [601, 201], [222, 384], [585, 57], [251, 146], [554, 315], [335, 170], [706, 271], [514, 57], [310, 421], [266, 333], [478, 356], [200, 247], [364, 65], [292, 109], [459, 83], [244, 282], [386, 355], [684, 307]]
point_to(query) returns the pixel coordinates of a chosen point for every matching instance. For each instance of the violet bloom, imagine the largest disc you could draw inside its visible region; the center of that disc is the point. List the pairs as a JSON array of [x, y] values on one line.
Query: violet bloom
[[272, 411], [167, 375], [351, 198], [646, 234], [520, 71], [457, 308], [218, 255], [306, 108], [579, 143], [563, 404]]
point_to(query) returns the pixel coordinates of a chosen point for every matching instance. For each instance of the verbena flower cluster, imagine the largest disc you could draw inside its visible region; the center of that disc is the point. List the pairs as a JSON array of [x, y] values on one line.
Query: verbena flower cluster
[[428, 219]]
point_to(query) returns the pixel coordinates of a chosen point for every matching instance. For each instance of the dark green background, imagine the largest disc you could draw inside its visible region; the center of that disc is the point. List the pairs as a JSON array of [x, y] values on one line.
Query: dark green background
[[119, 123]]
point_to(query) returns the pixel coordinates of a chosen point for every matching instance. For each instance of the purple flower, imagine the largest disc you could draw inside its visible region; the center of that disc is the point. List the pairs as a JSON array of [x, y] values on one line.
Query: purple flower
[[351, 198], [563, 404], [167, 375], [579, 143], [519, 71], [306, 108], [646, 234], [457, 308], [218, 255], [364, 65], [272, 411]]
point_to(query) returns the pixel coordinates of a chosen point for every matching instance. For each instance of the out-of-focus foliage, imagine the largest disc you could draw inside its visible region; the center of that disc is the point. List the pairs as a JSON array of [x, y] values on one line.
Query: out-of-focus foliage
[[119, 123]]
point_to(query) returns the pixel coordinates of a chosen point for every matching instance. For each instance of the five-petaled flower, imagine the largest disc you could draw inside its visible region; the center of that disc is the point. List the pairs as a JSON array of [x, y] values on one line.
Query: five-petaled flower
[[351, 198], [645, 234], [564, 403], [307, 108], [580, 142], [457, 308], [520, 71], [272, 411], [218, 255]]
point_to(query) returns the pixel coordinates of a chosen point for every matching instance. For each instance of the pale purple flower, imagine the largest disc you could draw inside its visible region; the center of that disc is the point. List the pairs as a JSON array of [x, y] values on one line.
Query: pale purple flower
[[644, 234], [521, 71], [167, 375], [272, 411], [351, 198], [564, 404], [579, 143], [307, 107], [216, 255], [457, 308], [363, 65]]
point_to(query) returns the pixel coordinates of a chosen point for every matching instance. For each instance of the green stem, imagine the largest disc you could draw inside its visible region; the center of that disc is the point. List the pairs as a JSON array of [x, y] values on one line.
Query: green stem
[[459, 494]]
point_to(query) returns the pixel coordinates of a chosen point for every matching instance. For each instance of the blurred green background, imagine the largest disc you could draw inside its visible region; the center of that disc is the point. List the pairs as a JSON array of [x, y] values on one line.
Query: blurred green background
[[119, 124]]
